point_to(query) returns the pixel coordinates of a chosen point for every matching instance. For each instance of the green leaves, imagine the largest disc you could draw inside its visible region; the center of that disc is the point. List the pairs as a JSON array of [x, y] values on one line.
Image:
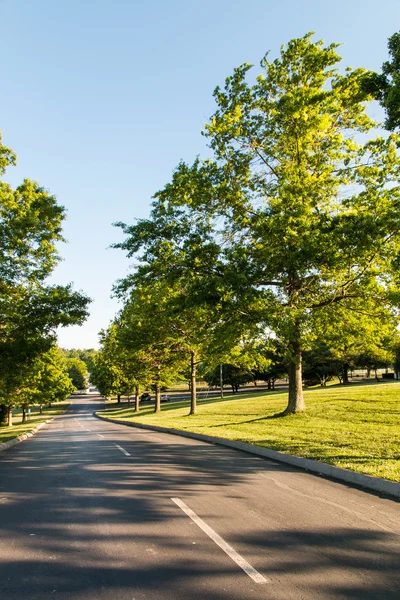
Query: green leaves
[[296, 214], [30, 310], [385, 86]]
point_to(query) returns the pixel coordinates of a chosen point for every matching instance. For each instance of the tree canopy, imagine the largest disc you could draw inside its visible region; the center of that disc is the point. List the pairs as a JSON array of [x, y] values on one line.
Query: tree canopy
[[385, 86], [30, 308], [297, 208]]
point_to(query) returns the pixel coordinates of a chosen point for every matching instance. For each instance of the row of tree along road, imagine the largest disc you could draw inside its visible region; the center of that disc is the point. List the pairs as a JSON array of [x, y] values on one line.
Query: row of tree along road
[[284, 242], [32, 370]]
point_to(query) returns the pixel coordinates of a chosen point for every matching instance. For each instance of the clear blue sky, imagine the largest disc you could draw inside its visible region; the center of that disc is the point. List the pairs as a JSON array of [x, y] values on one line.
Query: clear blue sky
[[102, 98]]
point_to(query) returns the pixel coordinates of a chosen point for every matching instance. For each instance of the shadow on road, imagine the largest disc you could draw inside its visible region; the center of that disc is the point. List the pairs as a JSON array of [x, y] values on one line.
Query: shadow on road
[[80, 522]]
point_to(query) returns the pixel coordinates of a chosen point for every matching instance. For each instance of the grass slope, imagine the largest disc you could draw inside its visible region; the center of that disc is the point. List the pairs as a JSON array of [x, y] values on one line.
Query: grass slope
[[18, 428], [356, 426]]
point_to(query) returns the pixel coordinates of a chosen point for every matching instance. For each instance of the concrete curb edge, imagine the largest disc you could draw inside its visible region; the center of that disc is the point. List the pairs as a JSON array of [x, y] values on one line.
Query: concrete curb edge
[[368, 482], [21, 438]]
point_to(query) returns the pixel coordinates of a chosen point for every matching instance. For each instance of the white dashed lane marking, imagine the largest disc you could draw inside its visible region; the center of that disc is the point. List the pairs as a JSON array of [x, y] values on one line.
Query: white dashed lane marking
[[239, 560], [122, 450]]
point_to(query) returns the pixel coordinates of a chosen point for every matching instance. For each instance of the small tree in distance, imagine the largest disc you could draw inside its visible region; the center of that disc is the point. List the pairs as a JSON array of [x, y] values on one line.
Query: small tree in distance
[[77, 372]]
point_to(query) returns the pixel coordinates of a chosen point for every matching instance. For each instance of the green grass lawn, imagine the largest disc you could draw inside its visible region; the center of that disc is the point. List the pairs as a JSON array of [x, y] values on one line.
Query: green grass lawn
[[18, 428], [356, 426]]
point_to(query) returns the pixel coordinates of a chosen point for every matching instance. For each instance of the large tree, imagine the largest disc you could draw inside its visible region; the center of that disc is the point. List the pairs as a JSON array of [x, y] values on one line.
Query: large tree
[[30, 309], [305, 196]]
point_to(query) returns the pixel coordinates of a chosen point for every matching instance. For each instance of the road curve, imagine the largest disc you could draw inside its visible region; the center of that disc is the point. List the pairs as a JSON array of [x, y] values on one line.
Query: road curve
[[91, 510]]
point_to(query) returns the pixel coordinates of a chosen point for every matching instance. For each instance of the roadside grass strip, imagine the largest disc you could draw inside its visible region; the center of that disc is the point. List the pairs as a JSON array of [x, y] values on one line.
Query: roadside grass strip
[[35, 418], [355, 427], [239, 560]]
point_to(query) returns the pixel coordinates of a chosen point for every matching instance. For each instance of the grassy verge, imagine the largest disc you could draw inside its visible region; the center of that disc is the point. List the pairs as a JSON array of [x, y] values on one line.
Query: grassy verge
[[356, 426], [19, 428]]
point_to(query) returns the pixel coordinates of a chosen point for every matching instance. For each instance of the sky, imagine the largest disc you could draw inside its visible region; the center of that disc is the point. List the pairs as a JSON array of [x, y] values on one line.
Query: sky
[[101, 99]]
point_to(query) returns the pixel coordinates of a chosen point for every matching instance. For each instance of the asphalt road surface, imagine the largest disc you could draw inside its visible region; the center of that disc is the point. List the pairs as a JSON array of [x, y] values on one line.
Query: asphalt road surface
[[95, 511]]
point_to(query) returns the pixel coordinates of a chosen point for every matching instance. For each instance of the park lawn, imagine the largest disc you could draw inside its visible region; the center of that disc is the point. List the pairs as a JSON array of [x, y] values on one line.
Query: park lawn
[[35, 418], [355, 426]]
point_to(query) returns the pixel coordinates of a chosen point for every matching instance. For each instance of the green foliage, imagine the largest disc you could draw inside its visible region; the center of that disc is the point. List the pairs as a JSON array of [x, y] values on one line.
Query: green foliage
[[87, 355], [77, 372], [147, 331], [48, 381], [321, 365], [231, 375], [385, 86], [30, 310], [112, 367], [307, 209], [292, 224]]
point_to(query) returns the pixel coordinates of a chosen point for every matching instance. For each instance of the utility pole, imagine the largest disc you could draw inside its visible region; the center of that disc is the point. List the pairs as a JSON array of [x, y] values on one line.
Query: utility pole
[[221, 380]]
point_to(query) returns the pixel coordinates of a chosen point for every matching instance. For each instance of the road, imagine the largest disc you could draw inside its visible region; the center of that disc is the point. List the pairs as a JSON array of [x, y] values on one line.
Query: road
[[91, 510]]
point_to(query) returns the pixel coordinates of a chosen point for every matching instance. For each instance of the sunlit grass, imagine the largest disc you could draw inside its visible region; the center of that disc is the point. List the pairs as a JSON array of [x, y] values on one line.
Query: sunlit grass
[[19, 428], [356, 427]]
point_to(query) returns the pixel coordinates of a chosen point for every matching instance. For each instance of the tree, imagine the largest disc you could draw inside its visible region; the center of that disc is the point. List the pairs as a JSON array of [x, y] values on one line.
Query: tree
[[47, 382], [176, 252], [77, 372], [30, 310], [231, 375], [307, 207], [375, 358], [385, 86], [145, 330], [272, 366], [321, 365], [111, 368], [349, 332], [87, 355]]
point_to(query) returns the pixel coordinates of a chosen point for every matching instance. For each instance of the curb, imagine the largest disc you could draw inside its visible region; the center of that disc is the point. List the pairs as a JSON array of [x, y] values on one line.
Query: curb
[[367, 482], [21, 438]]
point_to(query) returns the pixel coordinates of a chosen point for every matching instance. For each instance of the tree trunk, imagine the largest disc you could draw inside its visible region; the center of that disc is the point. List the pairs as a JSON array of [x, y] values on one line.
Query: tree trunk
[[157, 407], [137, 401], [193, 390], [296, 400], [119, 398], [41, 409], [9, 416], [345, 373], [23, 414], [3, 415], [269, 384]]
